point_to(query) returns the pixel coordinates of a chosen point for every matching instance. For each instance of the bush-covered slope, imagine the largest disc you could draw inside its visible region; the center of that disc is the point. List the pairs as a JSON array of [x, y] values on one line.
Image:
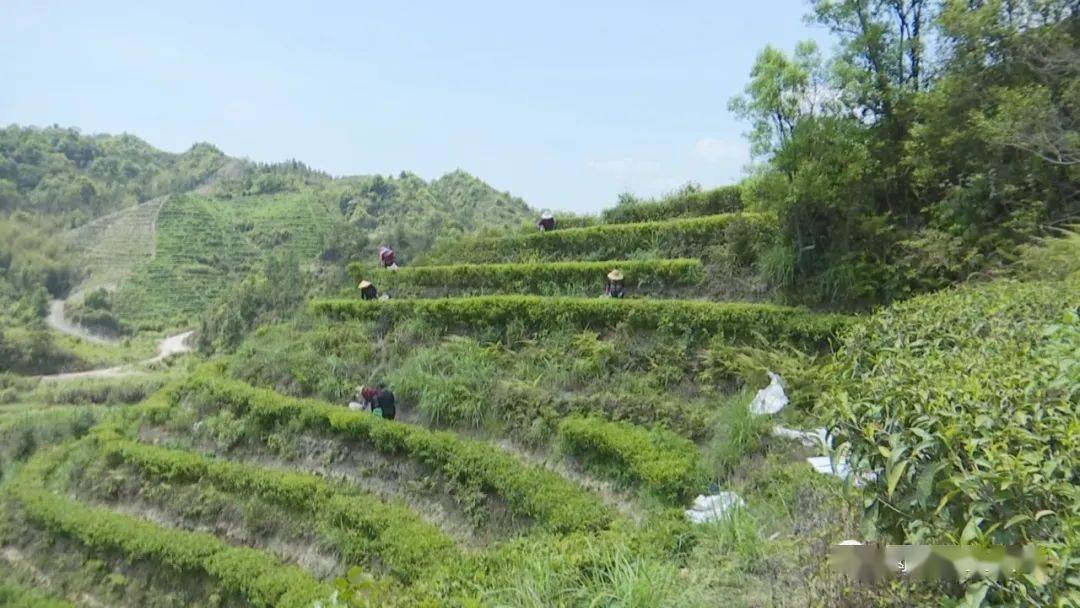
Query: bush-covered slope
[[966, 402], [745, 233], [736, 320], [554, 278], [689, 203]]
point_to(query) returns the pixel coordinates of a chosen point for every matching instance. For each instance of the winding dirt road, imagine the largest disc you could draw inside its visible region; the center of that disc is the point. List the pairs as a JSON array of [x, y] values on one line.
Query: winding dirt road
[[172, 345], [57, 321]]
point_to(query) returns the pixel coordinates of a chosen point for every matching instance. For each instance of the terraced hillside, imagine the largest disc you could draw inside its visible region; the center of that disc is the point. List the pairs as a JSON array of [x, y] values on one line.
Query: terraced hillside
[[112, 247], [204, 244], [544, 450]]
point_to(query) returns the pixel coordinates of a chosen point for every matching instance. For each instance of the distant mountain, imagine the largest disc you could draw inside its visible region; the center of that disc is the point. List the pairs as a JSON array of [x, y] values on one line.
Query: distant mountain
[[57, 170]]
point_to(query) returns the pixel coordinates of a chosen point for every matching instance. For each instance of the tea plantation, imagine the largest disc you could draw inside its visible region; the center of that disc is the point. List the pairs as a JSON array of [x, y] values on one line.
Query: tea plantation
[[547, 441]]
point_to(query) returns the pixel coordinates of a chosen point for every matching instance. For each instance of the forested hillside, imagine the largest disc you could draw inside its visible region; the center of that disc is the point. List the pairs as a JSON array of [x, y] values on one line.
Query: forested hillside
[[937, 138]]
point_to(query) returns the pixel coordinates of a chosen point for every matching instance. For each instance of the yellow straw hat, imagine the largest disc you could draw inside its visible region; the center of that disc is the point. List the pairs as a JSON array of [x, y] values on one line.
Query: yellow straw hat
[[364, 285], [615, 275]]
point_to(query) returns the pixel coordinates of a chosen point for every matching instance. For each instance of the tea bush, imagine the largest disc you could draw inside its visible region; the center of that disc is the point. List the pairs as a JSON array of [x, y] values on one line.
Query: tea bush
[[663, 462], [251, 574], [554, 278], [377, 530], [699, 319], [672, 238], [966, 402], [727, 199], [529, 491]]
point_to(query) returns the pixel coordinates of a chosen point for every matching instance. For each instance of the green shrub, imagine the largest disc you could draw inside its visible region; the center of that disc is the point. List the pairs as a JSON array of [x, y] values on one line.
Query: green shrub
[[553, 278], [17, 596], [254, 575], [529, 491], [663, 462], [130, 389], [376, 530], [965, 402], [672, 238], [1047, 258], [699, 319], [727, 199]]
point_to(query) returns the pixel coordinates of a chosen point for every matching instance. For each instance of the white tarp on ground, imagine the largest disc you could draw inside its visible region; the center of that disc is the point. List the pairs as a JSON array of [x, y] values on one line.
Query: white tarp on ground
[[840, 468], [713, 507], [817, 438], [770, 399]]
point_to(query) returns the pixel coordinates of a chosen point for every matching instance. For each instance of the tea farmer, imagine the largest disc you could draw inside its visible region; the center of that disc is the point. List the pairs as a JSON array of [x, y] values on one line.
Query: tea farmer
[[613, 284], [547, 222], [379, 401], [367, 290], [388, 258]]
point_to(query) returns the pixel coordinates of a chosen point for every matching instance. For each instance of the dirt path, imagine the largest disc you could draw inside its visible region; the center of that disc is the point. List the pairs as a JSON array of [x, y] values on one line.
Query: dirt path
[[173, 345], [57, 321]]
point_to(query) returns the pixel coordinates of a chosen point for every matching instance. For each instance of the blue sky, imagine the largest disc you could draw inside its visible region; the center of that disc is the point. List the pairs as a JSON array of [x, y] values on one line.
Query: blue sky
[[565, 104]]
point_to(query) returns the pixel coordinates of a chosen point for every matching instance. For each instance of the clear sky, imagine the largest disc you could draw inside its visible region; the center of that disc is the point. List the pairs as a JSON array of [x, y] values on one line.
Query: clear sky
[[565, 104]]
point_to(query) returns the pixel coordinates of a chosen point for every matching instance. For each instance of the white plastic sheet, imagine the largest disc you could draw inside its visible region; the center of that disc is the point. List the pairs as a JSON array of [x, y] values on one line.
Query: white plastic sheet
[[713, 507], [817, 438], [841, 468], [770, 399]]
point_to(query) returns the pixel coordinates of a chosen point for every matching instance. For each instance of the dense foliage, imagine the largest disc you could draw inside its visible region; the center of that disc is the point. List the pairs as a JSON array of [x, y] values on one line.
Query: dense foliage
[[937, 138], [16, 596], [965, 402], [60, 171]]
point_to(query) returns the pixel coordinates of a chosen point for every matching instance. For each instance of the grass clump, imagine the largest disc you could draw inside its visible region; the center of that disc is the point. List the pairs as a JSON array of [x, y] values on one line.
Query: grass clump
[[450, 383], [737, 435], [18, 596], [661, 461]]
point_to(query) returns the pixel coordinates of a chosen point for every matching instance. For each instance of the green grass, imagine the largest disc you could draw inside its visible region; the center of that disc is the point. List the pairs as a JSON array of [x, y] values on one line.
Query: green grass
[[554, 278], [13, 595]]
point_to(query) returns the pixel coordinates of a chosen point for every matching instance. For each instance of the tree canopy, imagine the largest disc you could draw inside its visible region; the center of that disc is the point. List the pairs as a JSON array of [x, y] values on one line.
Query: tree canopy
[[937, 137]]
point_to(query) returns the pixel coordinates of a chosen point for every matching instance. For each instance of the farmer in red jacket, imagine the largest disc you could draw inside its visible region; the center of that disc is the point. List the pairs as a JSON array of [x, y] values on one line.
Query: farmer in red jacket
[[379, 401], [386, 255]]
